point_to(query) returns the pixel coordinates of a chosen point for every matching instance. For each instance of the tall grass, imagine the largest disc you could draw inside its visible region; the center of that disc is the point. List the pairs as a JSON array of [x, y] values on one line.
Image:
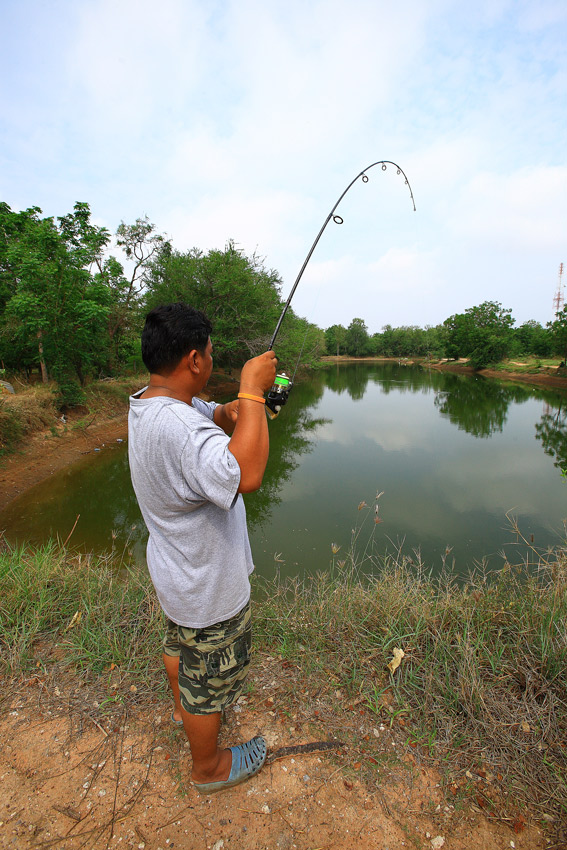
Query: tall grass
[[482, 684], [483, 681], [23, 413], [97, 611]]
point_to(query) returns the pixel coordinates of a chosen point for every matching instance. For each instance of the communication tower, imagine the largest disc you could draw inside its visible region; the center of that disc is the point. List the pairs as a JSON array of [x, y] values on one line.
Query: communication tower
[[558, 297]]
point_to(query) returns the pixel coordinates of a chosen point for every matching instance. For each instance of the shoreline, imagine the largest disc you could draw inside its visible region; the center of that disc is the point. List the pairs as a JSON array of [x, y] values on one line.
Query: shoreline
[[50, 450], [544, 378]]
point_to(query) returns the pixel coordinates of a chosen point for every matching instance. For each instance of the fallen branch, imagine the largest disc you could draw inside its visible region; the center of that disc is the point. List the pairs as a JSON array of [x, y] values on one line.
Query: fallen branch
[[303, 749]]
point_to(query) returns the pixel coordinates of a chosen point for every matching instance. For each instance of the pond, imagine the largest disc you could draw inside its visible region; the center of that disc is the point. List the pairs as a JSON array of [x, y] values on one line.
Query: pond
[[453, 459]]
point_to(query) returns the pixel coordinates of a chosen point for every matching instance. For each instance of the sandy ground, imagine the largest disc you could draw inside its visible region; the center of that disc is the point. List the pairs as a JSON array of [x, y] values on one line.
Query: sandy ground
[[83, 767], [78, 770]]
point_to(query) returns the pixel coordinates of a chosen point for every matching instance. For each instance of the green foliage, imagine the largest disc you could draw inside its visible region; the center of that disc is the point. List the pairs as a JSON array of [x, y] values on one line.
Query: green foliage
[[53, 307], [69, 392], [11, 429], [239, 296], [532, 339], [483, 334], [64, 307], [357, 339], [142, 247], [558, 330], [335, 339], [409, 341]]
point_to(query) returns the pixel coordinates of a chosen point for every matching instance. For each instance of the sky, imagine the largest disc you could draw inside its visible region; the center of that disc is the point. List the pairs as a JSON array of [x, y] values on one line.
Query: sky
[[246, 120]]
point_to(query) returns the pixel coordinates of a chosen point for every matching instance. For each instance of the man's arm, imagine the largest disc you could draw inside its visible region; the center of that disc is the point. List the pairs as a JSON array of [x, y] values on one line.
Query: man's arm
[[250, 442]]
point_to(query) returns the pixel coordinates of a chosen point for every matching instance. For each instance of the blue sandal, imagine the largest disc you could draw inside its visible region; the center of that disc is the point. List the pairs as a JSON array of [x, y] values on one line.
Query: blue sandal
[[247, 760]]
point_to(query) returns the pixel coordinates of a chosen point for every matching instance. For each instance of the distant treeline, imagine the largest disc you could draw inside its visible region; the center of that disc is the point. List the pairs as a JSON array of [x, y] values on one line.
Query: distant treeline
[[485, 334], [73, 310]]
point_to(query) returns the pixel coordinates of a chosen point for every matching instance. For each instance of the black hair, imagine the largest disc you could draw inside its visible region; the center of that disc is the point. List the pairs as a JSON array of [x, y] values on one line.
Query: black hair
[[172, 331]]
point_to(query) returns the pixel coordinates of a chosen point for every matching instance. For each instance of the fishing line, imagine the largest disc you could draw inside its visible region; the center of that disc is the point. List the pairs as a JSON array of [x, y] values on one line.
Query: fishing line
[[281, 389], [308, 326]]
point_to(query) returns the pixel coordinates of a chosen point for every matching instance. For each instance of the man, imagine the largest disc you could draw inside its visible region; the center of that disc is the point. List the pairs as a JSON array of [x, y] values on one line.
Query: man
[[188, 475]]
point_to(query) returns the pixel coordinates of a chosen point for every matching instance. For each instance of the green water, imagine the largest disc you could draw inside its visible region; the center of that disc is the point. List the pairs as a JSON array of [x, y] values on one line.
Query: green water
[[451, 455]]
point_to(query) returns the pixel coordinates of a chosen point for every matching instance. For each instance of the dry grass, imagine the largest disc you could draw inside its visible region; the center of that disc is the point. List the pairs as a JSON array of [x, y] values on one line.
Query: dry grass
[[33, 408], [481, 690], [482, 687], [24, 412]]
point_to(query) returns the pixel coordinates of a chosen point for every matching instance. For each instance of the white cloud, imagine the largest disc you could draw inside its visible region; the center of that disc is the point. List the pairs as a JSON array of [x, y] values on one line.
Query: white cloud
[[523, 211]]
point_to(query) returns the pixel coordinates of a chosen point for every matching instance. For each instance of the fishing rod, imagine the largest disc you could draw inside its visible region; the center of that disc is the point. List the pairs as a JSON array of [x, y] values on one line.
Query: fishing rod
[[279, 393]]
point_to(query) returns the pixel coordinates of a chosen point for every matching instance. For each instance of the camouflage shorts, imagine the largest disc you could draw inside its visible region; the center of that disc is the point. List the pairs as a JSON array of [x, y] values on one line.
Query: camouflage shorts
[[213, 662]]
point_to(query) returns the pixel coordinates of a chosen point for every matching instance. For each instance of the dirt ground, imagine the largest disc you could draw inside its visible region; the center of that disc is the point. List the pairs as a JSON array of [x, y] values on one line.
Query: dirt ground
[[83, 767], [80, 769]]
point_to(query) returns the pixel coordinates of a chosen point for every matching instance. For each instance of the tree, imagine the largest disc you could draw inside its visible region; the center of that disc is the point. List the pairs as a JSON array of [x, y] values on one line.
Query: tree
[[357, 339], [142, 246], [532, 338], [558, 330], [335, 338], [237, 293], [52, 305], [483, 334]]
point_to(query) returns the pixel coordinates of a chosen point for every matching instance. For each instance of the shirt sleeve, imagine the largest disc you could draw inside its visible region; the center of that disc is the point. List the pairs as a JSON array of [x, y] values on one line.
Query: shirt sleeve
[[209, 469], [207, 408]]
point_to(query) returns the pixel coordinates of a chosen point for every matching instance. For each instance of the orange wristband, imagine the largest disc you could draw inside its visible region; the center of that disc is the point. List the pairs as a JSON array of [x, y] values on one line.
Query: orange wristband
[[252, 397]]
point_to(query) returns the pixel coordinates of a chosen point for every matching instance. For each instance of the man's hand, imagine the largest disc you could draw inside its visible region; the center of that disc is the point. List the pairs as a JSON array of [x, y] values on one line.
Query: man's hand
[[226, 415], [258, 374], [231, 411]]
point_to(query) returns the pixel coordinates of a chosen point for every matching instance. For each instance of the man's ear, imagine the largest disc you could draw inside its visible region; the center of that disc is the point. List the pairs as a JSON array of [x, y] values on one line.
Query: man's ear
[[193, 360]]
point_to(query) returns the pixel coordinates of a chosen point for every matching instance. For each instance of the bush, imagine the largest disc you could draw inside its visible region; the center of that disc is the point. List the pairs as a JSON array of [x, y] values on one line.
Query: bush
[[68, 393]]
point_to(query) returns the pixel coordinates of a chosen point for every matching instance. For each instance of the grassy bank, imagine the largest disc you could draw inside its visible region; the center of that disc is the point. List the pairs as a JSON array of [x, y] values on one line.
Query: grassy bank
[[481, 689], [34, 408], [532, 366]]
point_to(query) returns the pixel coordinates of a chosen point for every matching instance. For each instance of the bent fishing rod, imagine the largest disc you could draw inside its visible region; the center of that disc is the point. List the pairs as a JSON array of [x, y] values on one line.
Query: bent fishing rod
[[279, 393]]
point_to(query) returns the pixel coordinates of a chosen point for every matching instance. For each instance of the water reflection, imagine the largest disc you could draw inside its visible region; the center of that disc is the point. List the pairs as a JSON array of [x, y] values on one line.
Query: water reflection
[[551, 431], [452, 454], [353, 378], [478, 405], [292, 435]]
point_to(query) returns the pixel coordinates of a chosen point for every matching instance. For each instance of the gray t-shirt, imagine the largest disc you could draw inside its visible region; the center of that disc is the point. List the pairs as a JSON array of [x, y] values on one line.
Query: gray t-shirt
[[186, 481]]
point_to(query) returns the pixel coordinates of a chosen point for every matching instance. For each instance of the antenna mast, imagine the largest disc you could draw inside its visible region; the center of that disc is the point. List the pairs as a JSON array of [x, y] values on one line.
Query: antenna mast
[[558, 298]]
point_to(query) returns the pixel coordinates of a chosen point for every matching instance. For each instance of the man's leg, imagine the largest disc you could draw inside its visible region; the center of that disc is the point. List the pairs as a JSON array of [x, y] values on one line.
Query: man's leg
[[211, 673], [210, 763], [172, 669]]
